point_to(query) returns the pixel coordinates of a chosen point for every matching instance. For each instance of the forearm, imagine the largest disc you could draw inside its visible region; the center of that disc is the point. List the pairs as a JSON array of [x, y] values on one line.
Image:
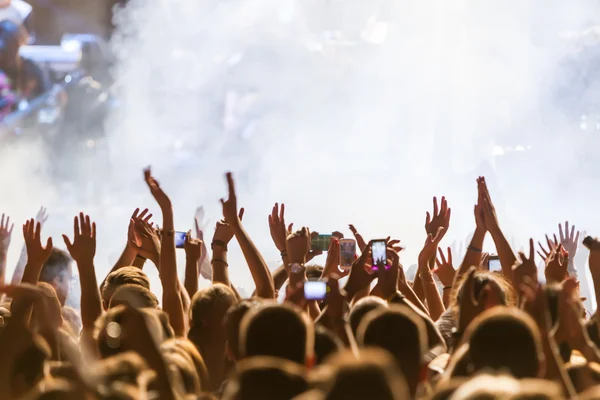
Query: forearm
[[505, 253], [91, 302], [220, 267], [258, 267], [313, 310], [3, 257], [410, 295], [434, 301], [473, 254], [192, 266], [20, 268], [172, 302], [554, 368], [446, 296], [418, 288], [279, 277]]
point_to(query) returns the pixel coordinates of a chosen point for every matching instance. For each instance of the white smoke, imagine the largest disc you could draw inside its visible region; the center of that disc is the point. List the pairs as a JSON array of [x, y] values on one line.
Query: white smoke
[[348, 112]]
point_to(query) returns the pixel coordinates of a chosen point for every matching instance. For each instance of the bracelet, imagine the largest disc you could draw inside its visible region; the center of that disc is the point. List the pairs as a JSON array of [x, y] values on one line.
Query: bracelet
[[284, 253], [447, 287], [214, 260], [473, 248], [218, 243], [170, 232], [141, 257]]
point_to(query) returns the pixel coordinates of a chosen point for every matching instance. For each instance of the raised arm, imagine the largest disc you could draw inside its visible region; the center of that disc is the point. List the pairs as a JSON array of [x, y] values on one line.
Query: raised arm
[[220, 246], [505, 253], [6, 229], [258, 267], [83, 250], [193, 254], [473, 253], [434, 301], [172, 302], [41, 217]]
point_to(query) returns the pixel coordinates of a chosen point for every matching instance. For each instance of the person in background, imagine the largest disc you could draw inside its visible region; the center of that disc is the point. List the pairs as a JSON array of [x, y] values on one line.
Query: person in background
[[18, 12]]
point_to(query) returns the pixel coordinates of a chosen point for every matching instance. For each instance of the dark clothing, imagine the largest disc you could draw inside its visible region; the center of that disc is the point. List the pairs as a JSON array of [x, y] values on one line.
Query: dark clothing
[[29, 81]]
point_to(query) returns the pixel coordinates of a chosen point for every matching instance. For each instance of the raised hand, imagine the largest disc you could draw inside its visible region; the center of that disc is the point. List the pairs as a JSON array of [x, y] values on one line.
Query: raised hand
[[224, 232], [143, 216], [556, 265], [144, 239], [6, 229], [277, 226], [362, 245], [439, 219], [526, 269], [200, 223], [230, 209], [552, 246], [192, 247], [359, 277], [83, 247], [312, 253], [41, 216], [445, 269], [332, 263], [159, 195], [488, 211], [298, 246], [36, 253], [430, 247], [569, 238]]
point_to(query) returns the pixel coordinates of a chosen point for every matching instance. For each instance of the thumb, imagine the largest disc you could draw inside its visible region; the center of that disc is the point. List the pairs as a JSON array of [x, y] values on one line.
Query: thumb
[[49, 244]]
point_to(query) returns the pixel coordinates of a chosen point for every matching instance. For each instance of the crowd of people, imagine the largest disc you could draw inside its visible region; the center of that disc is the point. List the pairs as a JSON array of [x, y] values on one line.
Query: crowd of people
[[373, 335]]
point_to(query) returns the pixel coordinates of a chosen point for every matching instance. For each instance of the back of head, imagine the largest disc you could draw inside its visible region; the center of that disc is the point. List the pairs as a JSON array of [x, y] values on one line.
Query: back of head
[[326, 344], [361, 308], [58, 390], [505, 339], [506, 387], [57, 271], [233, 320], [208, 308], [402, 333], [120, 277], [135, 296], [125, 368], [373, 375], [277, 330], [187, 350], [266, 378]]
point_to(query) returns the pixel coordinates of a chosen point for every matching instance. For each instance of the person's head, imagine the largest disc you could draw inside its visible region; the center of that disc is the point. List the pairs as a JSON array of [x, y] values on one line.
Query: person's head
[[10, 42], [402, 333], [278, 330], [266, 378], [361, 308], [326, 344], [125, 368], [58, 389], [507, 340], [135, 296], [371, 375], [112, 339], [186, 349], [120, 277], [233, 320], [506, 387], [58, 270], [314, 272], [207, 314]]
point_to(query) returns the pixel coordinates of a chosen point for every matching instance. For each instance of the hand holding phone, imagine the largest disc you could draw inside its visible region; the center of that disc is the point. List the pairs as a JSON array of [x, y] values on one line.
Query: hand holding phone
[[320, 242], [494, 263], [315, 290], [180, 239], [379, 253], [347, 253]]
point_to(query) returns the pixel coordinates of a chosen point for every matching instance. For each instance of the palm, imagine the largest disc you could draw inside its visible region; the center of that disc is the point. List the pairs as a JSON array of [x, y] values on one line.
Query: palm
[[439, 219], [569, 238], [5, 232]]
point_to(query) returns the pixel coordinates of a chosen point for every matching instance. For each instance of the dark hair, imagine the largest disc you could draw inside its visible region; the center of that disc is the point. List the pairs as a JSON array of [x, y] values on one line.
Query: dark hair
[[314, 272], [505, 339], [278, 330], [57, 266], [266, 378], [361, 308], [233, 320], [326, 344]]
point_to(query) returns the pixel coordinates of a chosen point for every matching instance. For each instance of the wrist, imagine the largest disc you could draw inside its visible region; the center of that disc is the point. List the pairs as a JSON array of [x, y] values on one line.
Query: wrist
[[478, 237]]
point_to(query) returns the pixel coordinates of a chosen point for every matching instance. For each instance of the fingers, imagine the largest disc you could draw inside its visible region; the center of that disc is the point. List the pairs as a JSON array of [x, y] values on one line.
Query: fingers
[[76, 229], [439, 235], [435, 207], [48, 244], [67, 242], [230, 185], [427, 218], [241, 213], [560, 231], [531, 250], [442, 258], [450, 256], [575, 241], [282, 213], [352, 229], [290, 228]]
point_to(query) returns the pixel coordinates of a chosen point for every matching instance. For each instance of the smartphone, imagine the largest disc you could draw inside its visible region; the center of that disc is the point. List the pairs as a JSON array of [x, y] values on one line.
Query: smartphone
[[320, 242], [315, 290], [494, 264], [379, 253], [347, 253], [180, 239]]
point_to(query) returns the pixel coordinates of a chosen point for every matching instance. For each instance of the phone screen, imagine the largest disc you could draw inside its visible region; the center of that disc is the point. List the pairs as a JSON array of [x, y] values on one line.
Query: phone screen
[[348, 251], [494, 265], [180, 239], [315, 290], [320, 242], [379, 253]]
